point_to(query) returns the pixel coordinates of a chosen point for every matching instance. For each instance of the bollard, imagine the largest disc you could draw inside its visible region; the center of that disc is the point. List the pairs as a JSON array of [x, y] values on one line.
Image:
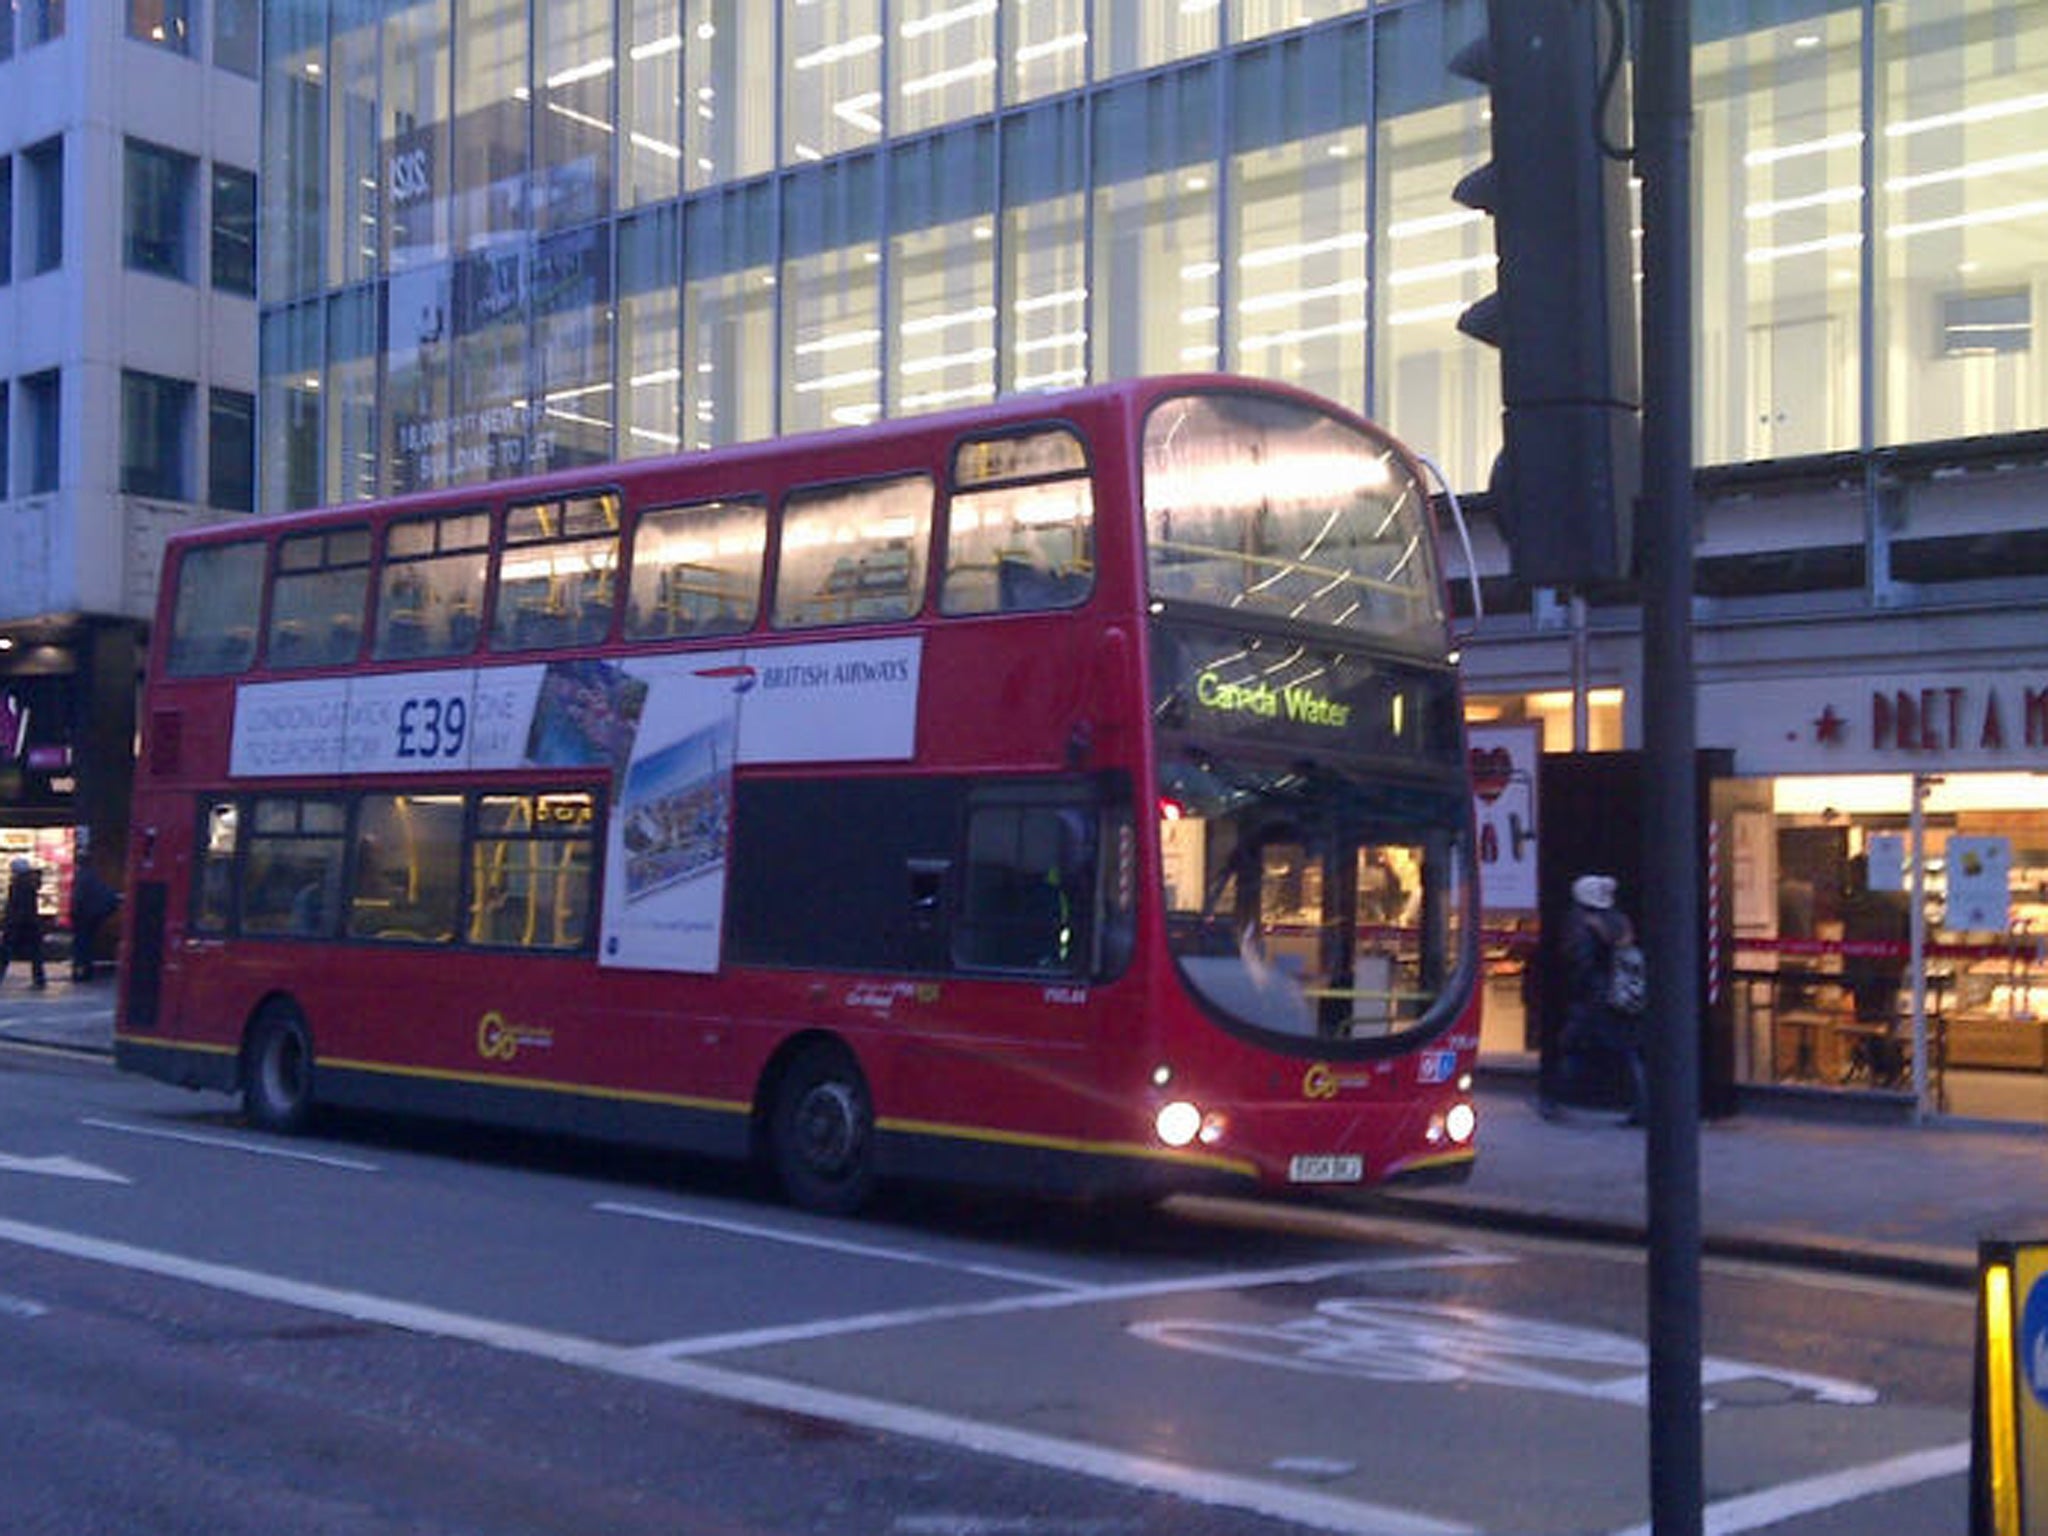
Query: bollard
[[2009, 1416]]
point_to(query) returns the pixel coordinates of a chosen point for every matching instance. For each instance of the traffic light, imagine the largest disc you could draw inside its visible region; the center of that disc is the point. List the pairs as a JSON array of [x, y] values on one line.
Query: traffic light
[[1564, 310]]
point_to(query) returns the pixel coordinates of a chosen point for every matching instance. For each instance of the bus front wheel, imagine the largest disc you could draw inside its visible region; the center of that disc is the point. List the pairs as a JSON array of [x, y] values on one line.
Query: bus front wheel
[[821, 1133], [277, 1071]]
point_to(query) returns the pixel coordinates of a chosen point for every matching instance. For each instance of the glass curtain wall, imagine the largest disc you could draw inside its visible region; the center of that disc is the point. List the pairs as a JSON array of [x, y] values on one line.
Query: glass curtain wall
[[859, 213]]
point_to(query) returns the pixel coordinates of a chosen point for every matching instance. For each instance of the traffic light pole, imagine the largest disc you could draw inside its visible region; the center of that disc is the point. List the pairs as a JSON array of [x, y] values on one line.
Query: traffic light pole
[[1663, 135]]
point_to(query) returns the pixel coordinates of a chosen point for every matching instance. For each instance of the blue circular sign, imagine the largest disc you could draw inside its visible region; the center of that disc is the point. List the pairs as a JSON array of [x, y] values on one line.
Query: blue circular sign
[[2033, 1340]]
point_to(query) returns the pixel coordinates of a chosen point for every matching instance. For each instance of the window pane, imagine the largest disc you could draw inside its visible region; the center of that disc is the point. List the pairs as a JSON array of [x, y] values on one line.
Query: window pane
[[1048, 42], [235, 35], [42, 402], [942, 271], [729, 318], [432, 588], [1780, 187], [158, 205], [43, 205], [234, 230], [1045, 282], [572, 347], [213, 884], [166, 23], [419, 174], [1137, 34], [293, 183], [1430, 383], [1156, 266], [156, 426], [944, 62], [729, 130], [697, 570], [1962, 215], [408, 869], [832, 78], [1027, 898], [493, 117], [577, 79], [355, 167], [231, 451], [832, 299], [213, 616], [6, 217], [1298, 174], [650, 333], [1027, 545], [422, 445], [650, 102], [853, 553], [532, 860], [556, 584], [292, 885], [317, 597]]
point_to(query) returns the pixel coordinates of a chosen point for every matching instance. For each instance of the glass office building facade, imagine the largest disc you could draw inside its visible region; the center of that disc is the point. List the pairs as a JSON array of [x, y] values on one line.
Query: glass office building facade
[[501, 234]]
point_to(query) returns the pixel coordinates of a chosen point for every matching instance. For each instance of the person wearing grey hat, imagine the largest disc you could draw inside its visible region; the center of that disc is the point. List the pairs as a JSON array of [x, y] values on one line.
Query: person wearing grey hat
[[1602, 1004], [21, 929]]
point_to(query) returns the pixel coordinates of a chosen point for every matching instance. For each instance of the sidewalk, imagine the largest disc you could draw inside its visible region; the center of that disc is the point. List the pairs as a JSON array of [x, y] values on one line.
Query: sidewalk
[[1900, 1200]]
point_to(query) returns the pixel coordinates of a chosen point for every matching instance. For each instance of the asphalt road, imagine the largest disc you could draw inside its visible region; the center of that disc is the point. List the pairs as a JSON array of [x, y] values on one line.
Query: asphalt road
[[385, 1329]]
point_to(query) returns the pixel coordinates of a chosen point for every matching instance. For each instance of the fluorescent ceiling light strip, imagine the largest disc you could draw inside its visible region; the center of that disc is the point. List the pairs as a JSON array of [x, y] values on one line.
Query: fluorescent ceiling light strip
[[836, 53], [1356, 240], [1772, 208], [1066, 42], [946, 360], [577, 72], [1982, 112], [938, 21], [640, 53], [845, 380], [947, 321], [1850, 140], [2003, 165], [837, 341], [1432, 223], [1435, 271], [938, 81], [1350, 288], [2009, 214], [1050, 300], [1769, 253]]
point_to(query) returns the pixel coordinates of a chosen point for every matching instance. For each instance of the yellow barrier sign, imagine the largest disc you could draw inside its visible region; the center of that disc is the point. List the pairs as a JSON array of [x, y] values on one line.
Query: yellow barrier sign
[[2009, 1440]]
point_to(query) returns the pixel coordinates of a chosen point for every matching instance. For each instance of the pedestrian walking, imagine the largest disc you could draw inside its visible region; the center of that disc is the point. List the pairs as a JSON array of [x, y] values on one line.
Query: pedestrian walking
[[1603, 999], [21, 926]]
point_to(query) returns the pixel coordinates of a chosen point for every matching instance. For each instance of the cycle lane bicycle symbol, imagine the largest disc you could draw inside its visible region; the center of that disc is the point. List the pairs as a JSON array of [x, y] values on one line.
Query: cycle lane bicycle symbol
[[1427, 1343]]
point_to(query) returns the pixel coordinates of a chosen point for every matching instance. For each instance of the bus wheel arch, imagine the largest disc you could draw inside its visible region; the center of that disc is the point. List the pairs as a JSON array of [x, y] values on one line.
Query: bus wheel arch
[[277, 1068], [815, 1125]]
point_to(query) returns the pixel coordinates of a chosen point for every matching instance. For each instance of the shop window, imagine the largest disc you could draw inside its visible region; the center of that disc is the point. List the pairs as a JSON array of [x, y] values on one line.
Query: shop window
[[213, 615], [407, 886], [533, 857], [697, 569], [854, 552]]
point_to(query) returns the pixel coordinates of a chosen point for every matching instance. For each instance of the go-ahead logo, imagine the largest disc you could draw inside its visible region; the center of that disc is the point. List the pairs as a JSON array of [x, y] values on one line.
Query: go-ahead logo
[[497, 1039]]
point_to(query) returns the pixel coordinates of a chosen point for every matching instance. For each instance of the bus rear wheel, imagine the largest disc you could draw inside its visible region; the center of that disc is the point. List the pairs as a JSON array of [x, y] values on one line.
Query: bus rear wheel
[[277, 1071], [821, 1133]]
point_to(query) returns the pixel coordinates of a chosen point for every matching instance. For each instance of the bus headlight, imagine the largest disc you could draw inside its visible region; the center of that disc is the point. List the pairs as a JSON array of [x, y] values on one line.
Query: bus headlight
[[1460, 1122], [1178, 1123]]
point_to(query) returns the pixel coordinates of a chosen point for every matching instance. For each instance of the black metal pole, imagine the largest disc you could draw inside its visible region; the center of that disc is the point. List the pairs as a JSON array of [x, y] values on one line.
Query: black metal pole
[[1671, 904]]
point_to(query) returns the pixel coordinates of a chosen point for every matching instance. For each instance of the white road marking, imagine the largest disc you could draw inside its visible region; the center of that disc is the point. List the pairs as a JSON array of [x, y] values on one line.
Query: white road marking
[[909, 1317], [248, 1145], [1769, 1506], [20, 1306], [1348, 1517], [60, 1167], [830, 1244]]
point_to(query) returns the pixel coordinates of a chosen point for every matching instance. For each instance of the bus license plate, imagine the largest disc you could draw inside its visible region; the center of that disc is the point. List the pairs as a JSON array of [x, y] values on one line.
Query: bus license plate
[[1326, 1168]]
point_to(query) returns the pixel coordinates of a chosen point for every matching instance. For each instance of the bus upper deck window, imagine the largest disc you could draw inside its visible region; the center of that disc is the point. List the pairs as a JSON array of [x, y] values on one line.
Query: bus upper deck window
[[557, 574], [427, 602], [1020, 528], [697, 569], [213, 617], [316, 598], [853, 552]]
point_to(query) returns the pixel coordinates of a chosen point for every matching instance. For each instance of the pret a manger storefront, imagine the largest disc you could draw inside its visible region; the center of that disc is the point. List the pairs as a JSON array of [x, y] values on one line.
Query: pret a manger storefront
[[1885, 861]]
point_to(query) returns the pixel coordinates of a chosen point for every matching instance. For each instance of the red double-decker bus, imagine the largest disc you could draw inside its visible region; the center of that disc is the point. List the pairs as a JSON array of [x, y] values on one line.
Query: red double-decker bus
[[1067, 793]]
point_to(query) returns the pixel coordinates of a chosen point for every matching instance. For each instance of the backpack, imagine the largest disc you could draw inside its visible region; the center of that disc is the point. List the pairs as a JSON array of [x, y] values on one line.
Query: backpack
[[1628, 984]]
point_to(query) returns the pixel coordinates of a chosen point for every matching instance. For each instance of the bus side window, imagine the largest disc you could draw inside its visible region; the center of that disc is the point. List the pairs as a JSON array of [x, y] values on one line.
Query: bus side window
[[408, 868], [697, 569], [292, 884], [213, 617], [433, 578], [853, 552], [1028, 896], [213, 893], [316, 598], [1020, 528]]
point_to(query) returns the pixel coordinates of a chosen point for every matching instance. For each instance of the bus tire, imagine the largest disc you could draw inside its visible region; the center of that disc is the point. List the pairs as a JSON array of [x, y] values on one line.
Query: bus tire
[[277, 1071], [821, 1132]]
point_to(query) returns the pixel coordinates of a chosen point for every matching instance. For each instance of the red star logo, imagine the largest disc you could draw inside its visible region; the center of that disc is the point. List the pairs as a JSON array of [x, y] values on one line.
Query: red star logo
[[1828, 726]]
